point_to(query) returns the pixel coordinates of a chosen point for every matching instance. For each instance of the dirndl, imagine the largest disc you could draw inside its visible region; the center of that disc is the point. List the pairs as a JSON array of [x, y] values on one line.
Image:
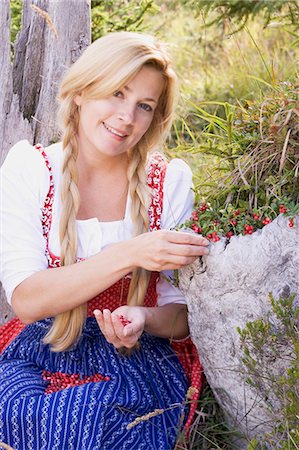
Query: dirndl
[[90, 397]]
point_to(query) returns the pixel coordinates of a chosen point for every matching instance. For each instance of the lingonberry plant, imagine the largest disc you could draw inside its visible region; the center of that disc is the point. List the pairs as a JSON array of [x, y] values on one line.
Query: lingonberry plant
[[214, 223]]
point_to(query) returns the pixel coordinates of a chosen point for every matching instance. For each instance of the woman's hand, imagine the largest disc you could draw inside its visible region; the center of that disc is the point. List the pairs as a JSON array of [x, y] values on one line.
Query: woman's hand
[[122, 327], [167, 250]]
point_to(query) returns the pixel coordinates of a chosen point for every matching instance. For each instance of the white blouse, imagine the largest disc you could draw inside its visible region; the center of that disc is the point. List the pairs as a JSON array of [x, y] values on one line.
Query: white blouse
[[24, 185]]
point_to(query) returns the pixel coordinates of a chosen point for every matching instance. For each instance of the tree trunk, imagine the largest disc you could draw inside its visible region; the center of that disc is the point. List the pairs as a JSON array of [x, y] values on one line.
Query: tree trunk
[[227, 289], [53, 35]]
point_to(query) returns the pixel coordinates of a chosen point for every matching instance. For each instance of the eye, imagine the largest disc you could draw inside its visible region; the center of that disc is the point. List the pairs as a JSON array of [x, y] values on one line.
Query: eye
[[146, 107], [118, 94]]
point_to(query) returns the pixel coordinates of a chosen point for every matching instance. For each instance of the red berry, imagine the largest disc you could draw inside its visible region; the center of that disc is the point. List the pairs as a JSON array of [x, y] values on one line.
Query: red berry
[[256, 216], [282, 209], [229, 234], [237, 212], [124, 321], [248, 229], [266, 221], [291, 223], [203, 207], [215, 236], [233, 222]]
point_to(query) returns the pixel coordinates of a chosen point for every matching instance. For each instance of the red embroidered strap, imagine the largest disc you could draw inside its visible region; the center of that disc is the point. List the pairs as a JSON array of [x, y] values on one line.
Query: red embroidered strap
[[47, 210], [155, 180]]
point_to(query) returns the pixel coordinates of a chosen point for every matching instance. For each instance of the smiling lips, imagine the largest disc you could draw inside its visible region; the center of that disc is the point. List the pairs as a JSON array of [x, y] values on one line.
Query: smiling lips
[[114, 131]]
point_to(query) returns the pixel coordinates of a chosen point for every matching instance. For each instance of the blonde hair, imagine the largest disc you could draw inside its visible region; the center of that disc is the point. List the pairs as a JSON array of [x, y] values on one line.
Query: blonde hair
[[105, 66]]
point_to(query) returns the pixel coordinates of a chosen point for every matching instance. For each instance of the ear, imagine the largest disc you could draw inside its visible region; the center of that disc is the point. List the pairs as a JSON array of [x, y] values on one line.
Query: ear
[[78, 99]]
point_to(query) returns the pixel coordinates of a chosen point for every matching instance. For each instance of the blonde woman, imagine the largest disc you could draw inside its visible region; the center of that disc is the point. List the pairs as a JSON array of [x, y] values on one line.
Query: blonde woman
[[88, 357]]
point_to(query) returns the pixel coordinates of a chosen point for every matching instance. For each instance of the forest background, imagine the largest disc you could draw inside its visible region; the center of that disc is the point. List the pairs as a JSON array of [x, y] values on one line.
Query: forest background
[[236, 124]]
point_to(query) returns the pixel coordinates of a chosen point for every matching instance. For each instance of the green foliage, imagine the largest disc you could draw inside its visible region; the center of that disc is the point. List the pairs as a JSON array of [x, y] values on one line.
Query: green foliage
[[265, 342], [250, 151], [108, 15], [240, 11], [16, 16]]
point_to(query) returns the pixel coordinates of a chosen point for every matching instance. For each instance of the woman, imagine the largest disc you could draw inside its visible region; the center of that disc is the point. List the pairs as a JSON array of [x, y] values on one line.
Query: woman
[[87, 207]]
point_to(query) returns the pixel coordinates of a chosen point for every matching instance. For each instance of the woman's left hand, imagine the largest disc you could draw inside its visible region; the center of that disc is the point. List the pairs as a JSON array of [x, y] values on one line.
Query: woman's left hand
[[122, 327]]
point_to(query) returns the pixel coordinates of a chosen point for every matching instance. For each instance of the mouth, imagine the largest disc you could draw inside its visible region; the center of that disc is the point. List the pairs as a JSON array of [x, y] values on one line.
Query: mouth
[[115, 132]]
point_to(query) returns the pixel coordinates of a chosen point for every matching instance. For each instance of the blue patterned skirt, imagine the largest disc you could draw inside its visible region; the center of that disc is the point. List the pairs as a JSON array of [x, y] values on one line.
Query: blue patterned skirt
[[93, 415]]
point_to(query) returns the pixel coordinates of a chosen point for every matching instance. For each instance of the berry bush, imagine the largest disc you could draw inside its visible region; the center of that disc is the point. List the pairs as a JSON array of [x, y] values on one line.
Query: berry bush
[[213, 223]]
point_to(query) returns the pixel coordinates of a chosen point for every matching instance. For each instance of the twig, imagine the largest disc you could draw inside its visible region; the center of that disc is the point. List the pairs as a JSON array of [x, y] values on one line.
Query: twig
[[283, 155], [242, 176], [47, 18]]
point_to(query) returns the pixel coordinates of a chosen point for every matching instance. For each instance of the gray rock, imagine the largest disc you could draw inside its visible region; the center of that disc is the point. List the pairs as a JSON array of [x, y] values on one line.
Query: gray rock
[[227, 289]]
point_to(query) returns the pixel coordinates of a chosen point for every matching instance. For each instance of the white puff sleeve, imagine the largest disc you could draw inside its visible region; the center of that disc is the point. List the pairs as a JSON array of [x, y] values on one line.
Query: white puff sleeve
[[24, 185], [178, 202]]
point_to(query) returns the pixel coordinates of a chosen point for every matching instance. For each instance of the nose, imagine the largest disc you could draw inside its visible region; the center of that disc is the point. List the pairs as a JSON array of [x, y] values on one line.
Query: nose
[[126, 114]]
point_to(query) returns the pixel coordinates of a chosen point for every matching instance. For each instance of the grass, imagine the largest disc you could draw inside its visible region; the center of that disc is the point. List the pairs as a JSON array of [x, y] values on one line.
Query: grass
[[209, 430]]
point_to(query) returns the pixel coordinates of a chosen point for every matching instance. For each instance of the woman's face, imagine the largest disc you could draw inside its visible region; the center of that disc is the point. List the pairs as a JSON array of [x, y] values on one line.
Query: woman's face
[[113, 125]]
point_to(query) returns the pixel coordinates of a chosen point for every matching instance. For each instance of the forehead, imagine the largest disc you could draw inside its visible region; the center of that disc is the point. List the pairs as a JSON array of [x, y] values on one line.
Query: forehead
[[148, 82]]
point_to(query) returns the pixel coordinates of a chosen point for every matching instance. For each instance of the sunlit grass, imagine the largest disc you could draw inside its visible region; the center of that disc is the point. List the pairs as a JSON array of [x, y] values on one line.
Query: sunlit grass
[[213, 63]]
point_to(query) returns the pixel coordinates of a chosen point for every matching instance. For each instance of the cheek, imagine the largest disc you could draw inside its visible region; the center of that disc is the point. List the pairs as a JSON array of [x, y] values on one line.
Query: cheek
[[145, 124]]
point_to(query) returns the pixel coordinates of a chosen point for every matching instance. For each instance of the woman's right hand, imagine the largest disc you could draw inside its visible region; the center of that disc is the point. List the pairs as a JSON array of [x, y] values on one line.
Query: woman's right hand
[[167, 250]]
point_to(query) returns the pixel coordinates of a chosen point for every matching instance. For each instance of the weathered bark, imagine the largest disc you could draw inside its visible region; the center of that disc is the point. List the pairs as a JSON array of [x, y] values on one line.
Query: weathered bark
[[46, 45], [227, 289]]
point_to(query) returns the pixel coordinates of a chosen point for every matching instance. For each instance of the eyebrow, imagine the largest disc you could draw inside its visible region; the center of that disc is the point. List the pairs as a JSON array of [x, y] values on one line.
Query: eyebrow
[[148, 99]]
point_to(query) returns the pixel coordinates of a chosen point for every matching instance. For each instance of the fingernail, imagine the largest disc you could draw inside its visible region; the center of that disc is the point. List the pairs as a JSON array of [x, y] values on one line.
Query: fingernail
[[114, 318], [96, 312]]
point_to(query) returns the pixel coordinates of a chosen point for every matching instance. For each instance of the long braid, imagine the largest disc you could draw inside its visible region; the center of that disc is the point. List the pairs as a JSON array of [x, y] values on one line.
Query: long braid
[[67, 326], [139, 213]]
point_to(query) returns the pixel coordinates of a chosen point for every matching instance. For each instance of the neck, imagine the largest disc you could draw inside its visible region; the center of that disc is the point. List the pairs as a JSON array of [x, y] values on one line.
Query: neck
[[90, 166]]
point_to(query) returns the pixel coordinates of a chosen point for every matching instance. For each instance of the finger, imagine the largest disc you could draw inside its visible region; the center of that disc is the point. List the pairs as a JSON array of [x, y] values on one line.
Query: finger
[[130, 341], [100, 320], [109, 327], [187, 250], [118, 326], [176, 262], [128, 331], [186, 238], [133, 329]]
